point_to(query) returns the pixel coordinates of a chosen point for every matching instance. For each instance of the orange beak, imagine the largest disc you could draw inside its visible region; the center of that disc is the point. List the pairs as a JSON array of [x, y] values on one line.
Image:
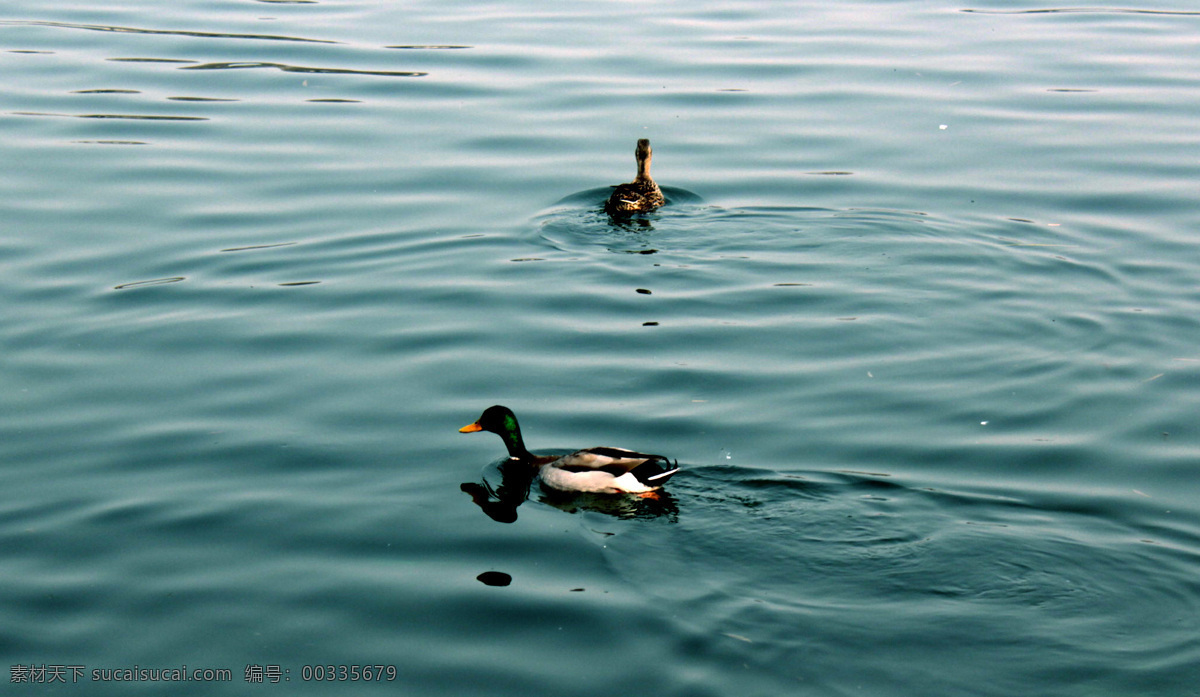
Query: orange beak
[[471, 428]]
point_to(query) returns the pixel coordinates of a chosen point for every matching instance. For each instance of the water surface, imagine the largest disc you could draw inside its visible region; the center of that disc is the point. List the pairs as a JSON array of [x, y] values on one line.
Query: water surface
[[919, 323]]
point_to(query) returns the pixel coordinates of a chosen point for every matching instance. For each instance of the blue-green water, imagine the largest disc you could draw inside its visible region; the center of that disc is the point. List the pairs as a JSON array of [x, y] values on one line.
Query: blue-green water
[[921, 325]]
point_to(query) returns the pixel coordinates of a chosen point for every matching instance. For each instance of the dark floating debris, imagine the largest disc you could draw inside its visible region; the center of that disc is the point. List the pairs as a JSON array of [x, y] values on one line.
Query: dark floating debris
[[643, 291], [494, 578], [649, 324], [300, 283]]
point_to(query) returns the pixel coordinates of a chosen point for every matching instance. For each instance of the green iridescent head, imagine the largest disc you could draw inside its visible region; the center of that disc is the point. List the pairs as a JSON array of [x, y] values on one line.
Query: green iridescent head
[[501, 421]]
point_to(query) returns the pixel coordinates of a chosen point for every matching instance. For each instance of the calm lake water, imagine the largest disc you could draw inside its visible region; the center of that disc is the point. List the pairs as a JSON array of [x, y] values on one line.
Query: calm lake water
[[921, 324]]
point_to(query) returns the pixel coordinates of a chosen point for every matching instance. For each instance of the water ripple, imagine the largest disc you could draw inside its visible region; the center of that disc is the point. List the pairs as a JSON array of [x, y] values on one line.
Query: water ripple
[[1086, 10], [135, 117], [165, 32], [430, 47], [153, 282], [989, 567], [150, 60], [302, 69]]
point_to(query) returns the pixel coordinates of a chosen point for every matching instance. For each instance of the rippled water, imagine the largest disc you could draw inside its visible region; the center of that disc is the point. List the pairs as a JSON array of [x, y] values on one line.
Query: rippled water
[[920, 323]]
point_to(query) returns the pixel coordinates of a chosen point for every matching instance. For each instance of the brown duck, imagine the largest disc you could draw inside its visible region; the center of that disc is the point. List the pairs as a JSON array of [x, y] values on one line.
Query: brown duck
[[639, 195]]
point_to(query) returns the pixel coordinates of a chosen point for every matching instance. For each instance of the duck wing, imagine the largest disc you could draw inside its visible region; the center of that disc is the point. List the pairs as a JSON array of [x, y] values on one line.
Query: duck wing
[[634, 197], [649, 469]]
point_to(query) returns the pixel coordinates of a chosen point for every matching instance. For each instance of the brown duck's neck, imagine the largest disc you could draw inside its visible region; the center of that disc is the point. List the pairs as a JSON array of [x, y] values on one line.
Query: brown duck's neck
[[643, 168]]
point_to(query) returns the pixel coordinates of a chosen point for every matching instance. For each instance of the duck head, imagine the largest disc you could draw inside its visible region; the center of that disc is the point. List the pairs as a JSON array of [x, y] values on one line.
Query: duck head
[[643, 155], [501, 421]]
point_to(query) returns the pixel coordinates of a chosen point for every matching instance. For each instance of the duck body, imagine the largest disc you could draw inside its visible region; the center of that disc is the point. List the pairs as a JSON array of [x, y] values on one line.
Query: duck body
[[601, 470], [640, 195], [607, 471]]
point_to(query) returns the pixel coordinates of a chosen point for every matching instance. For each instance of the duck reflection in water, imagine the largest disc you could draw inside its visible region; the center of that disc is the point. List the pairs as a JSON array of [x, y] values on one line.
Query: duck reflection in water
[[500, 503]]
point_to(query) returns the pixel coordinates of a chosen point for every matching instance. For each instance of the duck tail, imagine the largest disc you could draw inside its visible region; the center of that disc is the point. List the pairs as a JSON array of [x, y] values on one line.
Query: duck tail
[[655, 472]]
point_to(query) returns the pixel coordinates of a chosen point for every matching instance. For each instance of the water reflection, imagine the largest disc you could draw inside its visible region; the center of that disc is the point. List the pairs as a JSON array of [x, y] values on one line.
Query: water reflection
[[637, 222], [507, 484], [500, 502], [624, 506]]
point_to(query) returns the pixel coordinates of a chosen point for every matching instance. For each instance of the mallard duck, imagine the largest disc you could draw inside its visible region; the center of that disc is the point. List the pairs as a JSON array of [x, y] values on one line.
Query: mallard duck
[[639, 195], [594, 470]]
